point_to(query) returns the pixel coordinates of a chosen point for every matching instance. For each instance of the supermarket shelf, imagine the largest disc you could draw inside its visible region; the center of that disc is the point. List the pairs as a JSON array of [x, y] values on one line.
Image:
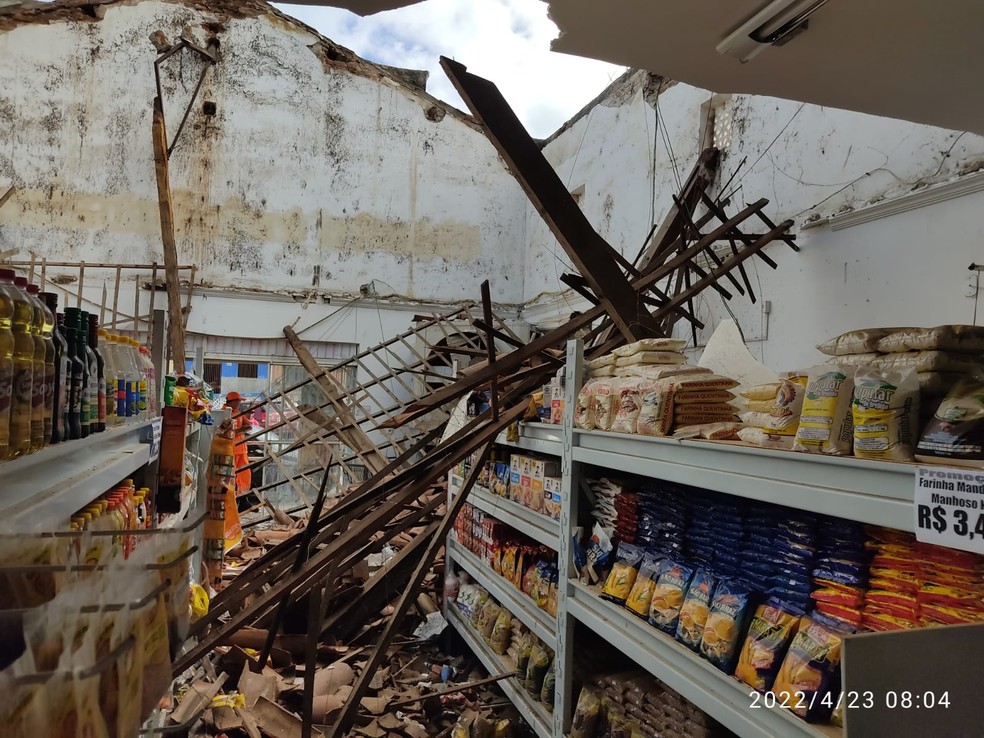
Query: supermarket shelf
[[537, 526], [723, 697], [531, 710], [520, 605], [50, 485], [542, 438], [878, 492]]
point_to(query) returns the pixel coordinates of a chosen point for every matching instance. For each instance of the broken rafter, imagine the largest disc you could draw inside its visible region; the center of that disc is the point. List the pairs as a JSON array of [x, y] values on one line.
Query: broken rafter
[[594, 258]]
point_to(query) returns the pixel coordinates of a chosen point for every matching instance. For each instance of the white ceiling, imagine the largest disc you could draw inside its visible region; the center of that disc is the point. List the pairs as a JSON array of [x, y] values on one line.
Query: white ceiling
[[911, 59]]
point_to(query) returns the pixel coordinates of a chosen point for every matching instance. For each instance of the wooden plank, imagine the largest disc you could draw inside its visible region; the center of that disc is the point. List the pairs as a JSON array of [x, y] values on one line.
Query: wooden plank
[[593, 257], [6, 196], [347, 715], [490, 344], [354, 437], [175, 327]]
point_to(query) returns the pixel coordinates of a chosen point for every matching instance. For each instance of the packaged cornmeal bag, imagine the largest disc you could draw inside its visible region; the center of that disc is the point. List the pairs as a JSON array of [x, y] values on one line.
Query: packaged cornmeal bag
[[769, 635], [731, 608], [826, 425], [697, 605], [885, 408], [810, 670], [668, 596]]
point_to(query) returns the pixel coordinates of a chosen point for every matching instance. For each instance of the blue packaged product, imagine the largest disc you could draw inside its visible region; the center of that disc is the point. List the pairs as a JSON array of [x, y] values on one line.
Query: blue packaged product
[[668, 596]]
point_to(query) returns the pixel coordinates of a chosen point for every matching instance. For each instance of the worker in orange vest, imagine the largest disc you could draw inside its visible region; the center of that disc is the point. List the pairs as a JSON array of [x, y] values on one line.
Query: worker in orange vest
[[244, 477]]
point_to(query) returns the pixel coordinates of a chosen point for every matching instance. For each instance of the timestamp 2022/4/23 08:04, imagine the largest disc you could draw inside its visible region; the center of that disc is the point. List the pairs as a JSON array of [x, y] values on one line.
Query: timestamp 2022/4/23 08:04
[[851, 700]]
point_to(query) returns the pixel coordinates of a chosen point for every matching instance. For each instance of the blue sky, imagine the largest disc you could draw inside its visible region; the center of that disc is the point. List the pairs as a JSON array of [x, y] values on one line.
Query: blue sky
[[506, 41]]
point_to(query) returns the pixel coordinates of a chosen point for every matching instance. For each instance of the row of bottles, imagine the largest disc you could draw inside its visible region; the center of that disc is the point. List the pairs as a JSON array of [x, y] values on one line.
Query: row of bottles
[[125, 508], [61, 377]]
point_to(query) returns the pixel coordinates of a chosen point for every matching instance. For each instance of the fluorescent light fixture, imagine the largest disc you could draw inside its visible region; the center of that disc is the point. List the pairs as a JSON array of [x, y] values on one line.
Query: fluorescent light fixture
[[771, 26]]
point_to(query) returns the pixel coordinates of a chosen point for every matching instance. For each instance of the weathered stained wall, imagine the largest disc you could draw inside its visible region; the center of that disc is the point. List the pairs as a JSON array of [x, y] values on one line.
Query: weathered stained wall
[[810, 162], [314, 172]]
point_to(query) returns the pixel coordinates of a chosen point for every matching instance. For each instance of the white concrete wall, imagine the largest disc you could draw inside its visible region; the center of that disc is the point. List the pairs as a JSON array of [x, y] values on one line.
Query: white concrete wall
[[307, 163], [810, 162]]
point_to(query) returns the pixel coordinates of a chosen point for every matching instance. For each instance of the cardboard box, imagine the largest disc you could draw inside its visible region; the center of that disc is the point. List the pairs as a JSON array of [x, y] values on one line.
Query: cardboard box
[[170, 472], [526, 480], [557, 404], [552, 499]]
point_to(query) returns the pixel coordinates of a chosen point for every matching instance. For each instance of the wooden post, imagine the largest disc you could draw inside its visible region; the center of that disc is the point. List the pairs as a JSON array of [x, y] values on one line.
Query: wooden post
[[175, 324], [78, 302], [116, 296]]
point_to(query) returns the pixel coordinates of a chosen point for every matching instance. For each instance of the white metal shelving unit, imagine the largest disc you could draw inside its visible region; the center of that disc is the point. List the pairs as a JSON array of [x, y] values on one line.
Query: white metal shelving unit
[[56, 481], [878, 492], [506, 594], [541, 438], [539, 527], [531, 709], [874, 492]]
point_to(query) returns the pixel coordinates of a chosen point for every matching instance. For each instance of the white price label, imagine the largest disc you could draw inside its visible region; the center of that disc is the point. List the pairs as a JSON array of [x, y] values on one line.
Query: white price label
[[155, 438], [949, 507]]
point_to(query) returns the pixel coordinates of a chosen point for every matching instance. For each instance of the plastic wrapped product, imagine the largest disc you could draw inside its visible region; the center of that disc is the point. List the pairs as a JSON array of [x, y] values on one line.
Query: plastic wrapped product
[[584, 408], [760, 437], [810, 670], [549, 686], [656, 413], [586, 713], [727, 618], [487, 620], [955, 434], [826, 425], [628, 404], [929, 361], [722, 431], [696, 607], [703, 382], [536, 669], [650, 344], [601, 361], [771, 630], [668, 596], [605, 392], [762, 391], [788, 401], [499, 639], [651, 357], [860, 341], [885, 410], [661, 371], [623, 574], [968, 339], [641, 597]]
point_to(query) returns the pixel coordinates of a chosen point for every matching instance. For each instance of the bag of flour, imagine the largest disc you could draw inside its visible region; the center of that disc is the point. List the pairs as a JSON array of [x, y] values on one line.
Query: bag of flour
[[885, 409], [826, 425]]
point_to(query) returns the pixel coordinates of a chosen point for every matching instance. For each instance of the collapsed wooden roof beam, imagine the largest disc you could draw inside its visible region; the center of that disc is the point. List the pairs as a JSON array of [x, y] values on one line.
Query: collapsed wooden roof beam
[[593, 257]]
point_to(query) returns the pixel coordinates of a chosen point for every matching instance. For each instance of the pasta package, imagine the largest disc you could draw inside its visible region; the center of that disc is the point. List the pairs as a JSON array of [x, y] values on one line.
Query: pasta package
[[668, 596], [695, 610], [885, 409], [656, 413], [769, 635], [726, 621], [810, 670], [826, 425], [586, 714], [650, 344], [623, 574], [641, 597]]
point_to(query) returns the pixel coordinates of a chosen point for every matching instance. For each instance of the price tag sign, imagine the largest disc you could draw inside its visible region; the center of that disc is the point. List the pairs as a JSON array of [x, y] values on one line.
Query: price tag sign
[[155, 438], [949, 507]]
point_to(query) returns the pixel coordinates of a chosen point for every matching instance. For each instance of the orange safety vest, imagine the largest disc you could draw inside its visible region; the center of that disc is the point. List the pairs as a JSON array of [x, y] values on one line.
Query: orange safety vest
[[244, 478]]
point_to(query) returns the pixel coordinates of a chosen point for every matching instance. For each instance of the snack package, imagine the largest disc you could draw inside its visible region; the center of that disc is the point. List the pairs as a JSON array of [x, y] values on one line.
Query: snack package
[[810, 670], [629, 403], [727, 618], [696, 607], [584, 409], [668, 596], [771, 630], [536, 669], [885, 410], [955, 434], [623, 574], [656, 412], [826, 425], [586, 714], [604, 403], [641, 597], [499, 639]]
